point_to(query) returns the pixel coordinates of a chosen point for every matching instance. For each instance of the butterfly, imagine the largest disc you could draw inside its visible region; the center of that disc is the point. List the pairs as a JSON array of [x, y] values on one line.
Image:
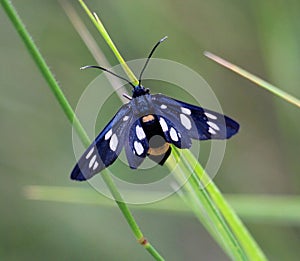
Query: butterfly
[[146, 127]]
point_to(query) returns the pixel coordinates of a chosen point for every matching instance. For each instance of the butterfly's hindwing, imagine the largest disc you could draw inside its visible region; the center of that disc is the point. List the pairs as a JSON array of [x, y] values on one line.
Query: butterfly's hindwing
[[174, 134], [106, 147], [136, 145], [194, 121]]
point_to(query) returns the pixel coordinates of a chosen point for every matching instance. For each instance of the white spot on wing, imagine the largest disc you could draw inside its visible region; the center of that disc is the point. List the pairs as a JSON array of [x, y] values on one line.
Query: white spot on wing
[[211, 116], [211, 130], [126, 118], [140, 132], [163, 106], [92, 161], [185, 121], [163, 124], [108, 134], [186, 111], [213, 125], [90, 153], [138, 148], [173, 134], [113, 142], [95, 165]]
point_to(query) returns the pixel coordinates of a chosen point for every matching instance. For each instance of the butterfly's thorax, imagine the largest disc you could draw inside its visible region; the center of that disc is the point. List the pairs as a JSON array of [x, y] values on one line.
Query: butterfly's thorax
[[141, 102]]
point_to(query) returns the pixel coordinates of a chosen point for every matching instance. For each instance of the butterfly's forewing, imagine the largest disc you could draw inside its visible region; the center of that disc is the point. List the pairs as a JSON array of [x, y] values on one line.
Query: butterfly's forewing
[[196, 122], [210, 124], [106, 147]]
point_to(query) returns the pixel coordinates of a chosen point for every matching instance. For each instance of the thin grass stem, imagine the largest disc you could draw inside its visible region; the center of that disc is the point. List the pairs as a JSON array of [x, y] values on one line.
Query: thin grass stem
[[271, 88], [280, 209], [99, 25], [40, 62]]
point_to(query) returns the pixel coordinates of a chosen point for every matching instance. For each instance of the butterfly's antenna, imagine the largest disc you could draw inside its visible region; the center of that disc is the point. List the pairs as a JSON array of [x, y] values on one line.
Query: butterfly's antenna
[[148, 59], [106, 70], [127, 96]]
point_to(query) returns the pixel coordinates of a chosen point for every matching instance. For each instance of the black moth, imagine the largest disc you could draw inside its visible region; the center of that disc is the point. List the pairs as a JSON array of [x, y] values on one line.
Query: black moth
[[146, 126]]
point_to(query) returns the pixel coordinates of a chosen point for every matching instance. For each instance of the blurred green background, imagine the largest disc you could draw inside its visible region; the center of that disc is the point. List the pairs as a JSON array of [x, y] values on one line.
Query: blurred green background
[[36, 142]]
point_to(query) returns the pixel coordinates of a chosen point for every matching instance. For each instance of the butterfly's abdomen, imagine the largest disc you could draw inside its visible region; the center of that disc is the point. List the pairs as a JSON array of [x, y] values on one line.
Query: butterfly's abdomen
[[159, 149]]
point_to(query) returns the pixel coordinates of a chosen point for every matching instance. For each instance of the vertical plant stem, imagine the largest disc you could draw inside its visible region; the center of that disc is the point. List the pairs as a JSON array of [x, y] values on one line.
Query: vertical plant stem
[[40, 62]]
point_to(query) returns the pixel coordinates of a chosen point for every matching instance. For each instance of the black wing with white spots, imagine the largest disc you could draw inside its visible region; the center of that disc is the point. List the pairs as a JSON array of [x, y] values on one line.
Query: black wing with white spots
[[136, 145], [193, 121], [106, 147], [173, 133], [179, 122]]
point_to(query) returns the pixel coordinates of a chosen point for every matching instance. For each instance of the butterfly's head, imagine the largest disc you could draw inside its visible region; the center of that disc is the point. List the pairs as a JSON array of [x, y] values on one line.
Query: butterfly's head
[[139, 90]]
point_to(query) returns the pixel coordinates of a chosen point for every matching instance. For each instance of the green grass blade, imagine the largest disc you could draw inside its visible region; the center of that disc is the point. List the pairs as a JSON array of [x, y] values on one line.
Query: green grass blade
[[271, 88], [282, 210], [99, 25], [205, 210], [245, 239]]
